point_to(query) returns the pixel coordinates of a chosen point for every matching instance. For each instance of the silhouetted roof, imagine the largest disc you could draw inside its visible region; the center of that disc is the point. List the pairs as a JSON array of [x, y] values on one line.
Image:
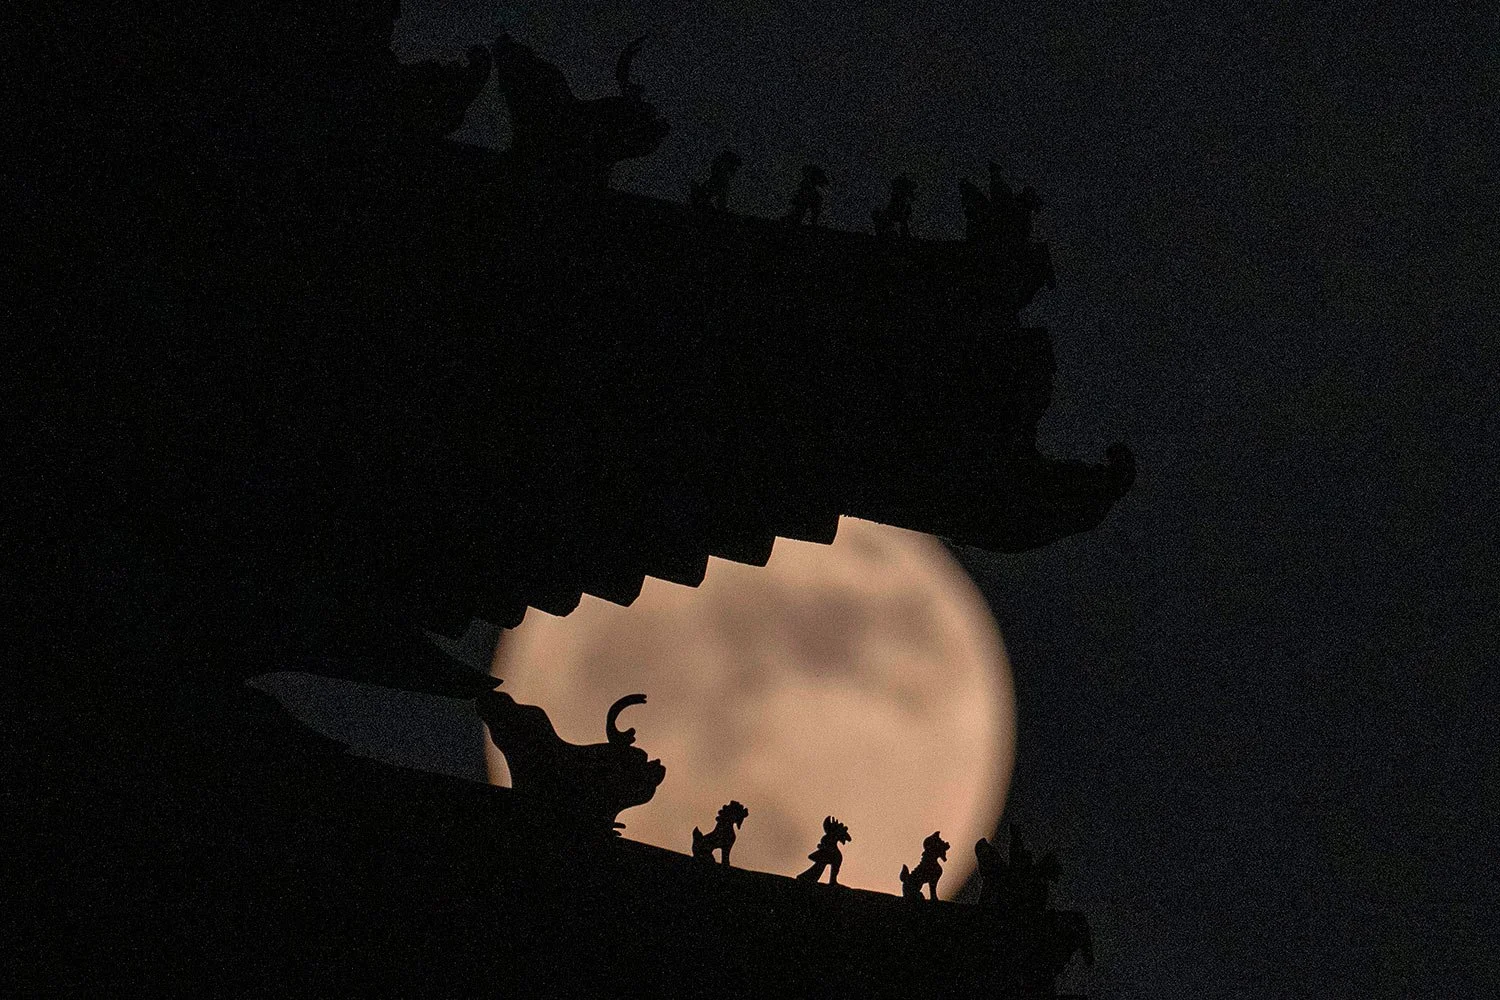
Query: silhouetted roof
[[407, 380]]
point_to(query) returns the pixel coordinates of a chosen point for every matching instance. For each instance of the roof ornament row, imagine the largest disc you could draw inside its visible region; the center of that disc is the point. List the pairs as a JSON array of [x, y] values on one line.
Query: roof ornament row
[[1001, 216], [582, 789]]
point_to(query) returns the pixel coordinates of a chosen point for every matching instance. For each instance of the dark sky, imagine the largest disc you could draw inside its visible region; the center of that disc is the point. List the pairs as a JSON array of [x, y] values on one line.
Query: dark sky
[[1256, 705]]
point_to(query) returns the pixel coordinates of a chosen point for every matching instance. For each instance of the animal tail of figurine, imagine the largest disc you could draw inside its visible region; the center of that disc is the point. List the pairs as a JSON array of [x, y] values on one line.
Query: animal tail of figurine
[[905, 874], [697, 842]]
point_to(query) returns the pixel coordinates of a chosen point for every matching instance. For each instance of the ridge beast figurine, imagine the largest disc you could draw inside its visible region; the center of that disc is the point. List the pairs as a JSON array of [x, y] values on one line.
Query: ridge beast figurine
[[928, 870], [585, 784], [828, 854], [723, 836]]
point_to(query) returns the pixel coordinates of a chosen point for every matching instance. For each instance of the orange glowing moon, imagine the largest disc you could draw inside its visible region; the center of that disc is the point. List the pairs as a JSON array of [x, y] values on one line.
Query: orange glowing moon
[[864, 679]]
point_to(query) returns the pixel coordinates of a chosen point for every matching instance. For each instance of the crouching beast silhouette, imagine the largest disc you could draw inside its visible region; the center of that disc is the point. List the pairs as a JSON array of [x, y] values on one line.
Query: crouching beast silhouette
[[587, 786]]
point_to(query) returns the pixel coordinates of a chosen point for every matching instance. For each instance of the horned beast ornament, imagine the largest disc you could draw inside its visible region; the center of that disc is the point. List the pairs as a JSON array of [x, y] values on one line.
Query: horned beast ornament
[[586, 785]]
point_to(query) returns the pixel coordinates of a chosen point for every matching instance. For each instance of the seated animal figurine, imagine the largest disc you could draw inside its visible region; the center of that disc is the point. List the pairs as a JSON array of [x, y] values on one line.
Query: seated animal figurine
[[828, 854], [928, 870], [994, 876], [714, 193], [584, 785], [807, 202], [723, 836], [896, 216]]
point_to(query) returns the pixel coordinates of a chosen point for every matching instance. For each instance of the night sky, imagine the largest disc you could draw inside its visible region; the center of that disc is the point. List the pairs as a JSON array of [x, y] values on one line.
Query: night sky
[[1256, 705]]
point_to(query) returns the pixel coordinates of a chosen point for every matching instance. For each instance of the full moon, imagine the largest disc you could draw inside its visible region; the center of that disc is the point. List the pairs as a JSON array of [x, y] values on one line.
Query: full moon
[[864, 680]]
